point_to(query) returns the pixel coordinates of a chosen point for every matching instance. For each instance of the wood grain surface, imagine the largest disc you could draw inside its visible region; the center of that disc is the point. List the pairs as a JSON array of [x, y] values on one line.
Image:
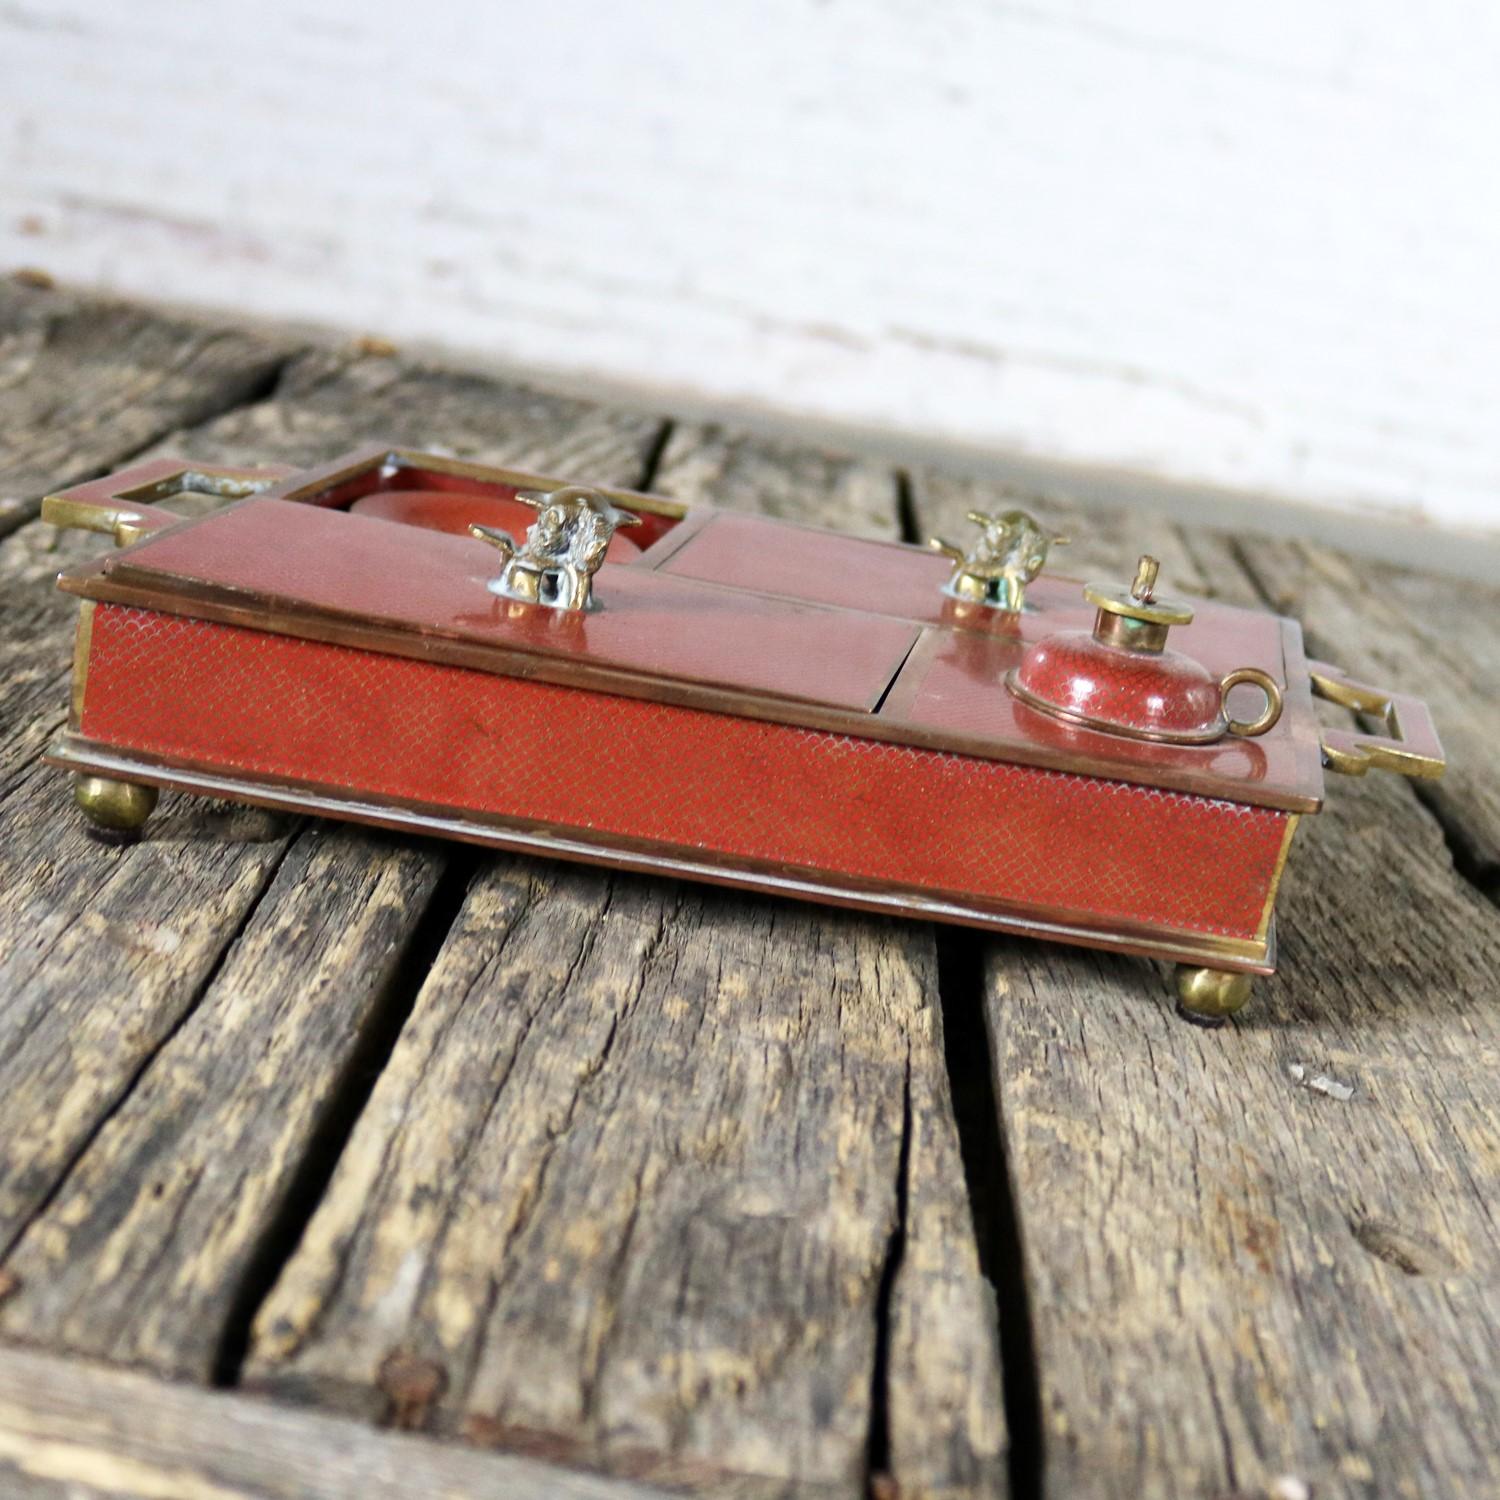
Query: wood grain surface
[[702, 461], [1238, 1270], [76, 1431], [718, 1193], [164, 1211]]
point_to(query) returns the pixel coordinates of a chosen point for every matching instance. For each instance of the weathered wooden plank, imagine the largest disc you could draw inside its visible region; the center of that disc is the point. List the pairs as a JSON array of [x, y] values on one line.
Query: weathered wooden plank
[[708, 462], [631, 1188], [330, 401], [149, 1218], [1237, 1273], [84, 383], [629, 1183], [76, 1431], [140, 1252], [566, 1243], [1266, 1253]]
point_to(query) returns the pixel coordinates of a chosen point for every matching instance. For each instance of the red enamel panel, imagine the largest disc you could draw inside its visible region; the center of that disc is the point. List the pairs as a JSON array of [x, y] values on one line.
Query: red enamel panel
[[777, 558], [770, 795]]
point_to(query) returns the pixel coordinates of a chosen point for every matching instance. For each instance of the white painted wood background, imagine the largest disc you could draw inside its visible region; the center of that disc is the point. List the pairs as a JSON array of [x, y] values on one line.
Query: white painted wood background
[[1251, 244]]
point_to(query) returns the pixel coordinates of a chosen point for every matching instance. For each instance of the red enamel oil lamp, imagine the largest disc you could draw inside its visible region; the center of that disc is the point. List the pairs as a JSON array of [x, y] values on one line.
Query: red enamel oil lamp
[[595, 674], [1121, 678]]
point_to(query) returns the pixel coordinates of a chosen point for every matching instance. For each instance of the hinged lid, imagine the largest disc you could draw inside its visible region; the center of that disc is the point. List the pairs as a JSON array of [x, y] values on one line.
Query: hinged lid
[[293, 567]]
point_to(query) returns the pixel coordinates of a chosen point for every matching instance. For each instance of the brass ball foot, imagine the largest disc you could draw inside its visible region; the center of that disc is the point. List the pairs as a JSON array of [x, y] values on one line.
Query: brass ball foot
[[116, 810], [1206, 997]]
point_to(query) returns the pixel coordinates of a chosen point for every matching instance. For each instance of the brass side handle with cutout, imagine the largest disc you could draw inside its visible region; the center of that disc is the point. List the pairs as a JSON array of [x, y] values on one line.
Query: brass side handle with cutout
[[127, 506], [125, 523], [1410, 744]]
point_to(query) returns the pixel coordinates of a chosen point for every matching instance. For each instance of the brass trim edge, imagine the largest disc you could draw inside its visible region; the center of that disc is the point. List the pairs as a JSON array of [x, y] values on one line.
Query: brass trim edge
[[83, 645]]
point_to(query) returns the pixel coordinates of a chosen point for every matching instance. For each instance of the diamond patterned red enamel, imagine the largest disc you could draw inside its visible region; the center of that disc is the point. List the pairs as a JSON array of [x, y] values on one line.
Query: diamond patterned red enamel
[[774, 796]]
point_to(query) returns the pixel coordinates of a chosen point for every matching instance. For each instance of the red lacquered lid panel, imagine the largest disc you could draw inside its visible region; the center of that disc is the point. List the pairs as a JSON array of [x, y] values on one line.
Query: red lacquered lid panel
[[767, 556], [822, 567], [289, 558]]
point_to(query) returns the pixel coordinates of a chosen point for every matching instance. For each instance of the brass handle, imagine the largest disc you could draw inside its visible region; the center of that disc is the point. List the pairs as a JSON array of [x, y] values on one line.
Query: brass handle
[[126, 524], [1410, 745], [1267, 685], [126, 505]]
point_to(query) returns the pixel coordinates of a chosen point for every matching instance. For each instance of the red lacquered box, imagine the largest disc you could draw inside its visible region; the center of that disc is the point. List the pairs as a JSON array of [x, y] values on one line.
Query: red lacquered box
[[745, 701]]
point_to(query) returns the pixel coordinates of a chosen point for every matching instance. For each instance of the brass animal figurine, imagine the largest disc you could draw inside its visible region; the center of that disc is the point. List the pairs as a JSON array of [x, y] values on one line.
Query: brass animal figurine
[[564, 546], [996, 567]]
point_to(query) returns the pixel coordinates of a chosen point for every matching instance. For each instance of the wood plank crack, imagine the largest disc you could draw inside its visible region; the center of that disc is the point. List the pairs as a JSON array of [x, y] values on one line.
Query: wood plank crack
[[878, 1476], [340, 1113], [993, 1202], [652, 458]]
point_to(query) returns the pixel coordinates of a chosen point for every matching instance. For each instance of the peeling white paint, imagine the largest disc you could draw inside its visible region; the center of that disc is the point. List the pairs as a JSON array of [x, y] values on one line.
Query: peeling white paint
[[1245, 245]]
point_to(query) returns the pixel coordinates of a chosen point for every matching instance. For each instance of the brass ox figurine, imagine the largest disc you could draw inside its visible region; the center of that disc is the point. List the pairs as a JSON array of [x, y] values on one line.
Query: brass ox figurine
[[1007, 554]]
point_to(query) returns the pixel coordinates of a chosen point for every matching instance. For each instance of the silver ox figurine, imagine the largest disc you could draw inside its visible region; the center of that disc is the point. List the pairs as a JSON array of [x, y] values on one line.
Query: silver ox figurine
[[563, 549]]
